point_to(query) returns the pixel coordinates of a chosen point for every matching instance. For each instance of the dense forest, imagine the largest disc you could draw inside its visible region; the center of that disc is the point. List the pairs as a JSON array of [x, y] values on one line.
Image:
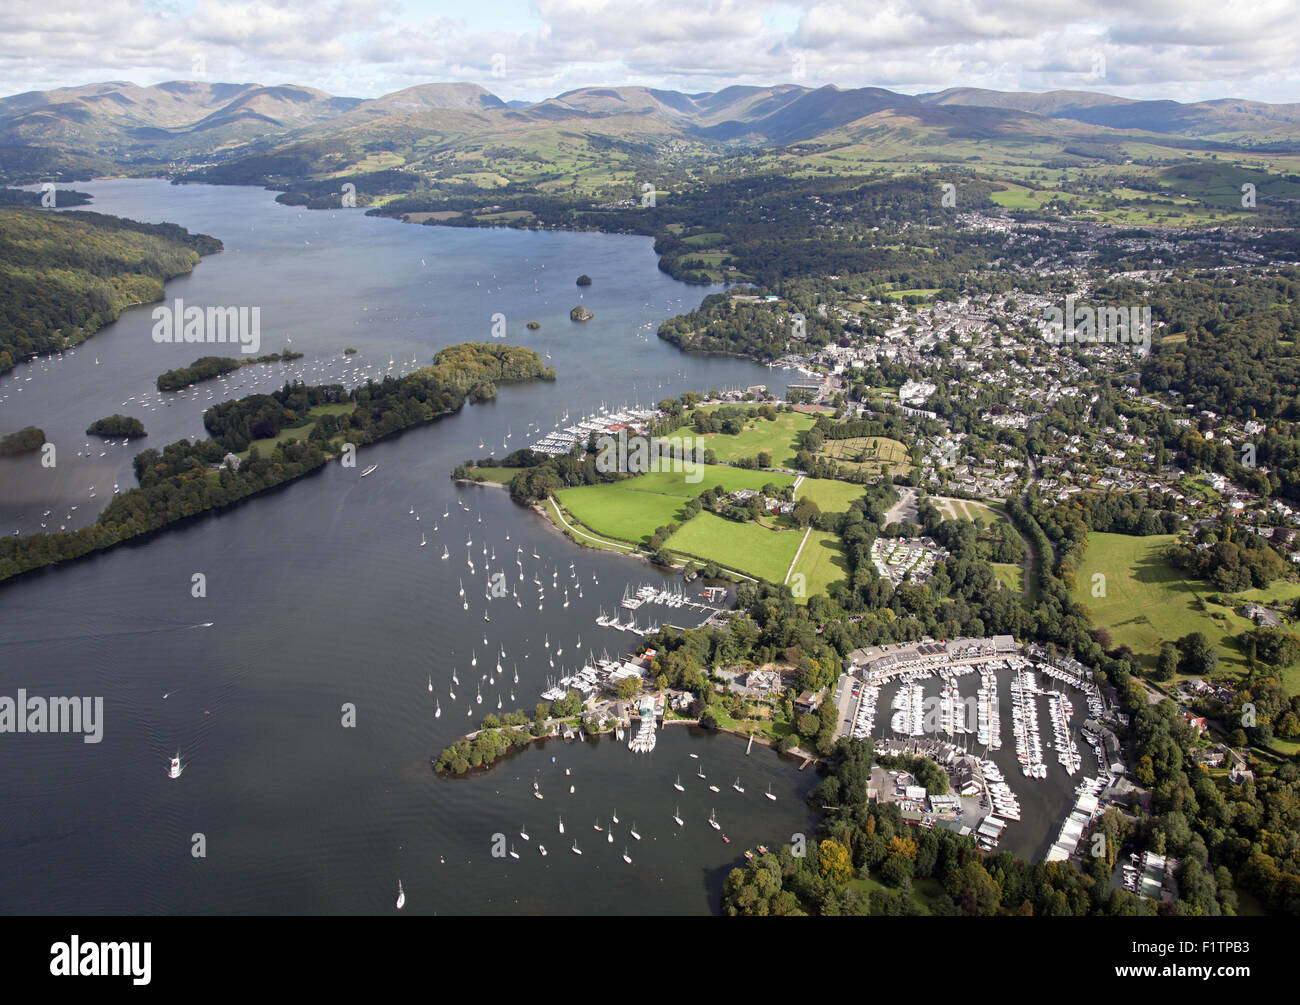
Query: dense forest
[[66, 275]]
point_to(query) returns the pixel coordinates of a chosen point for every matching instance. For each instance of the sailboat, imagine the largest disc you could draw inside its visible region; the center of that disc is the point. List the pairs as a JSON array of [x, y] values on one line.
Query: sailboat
[[677, 815], [513, 853], [614, 816], [609, 837], [678, 784], [401, 896], [626, 857], [737, 786], [633, 832], [437, 710], [768, 793], [713, 820], [445, 553], [431, 683], [700, 773], [423, 542], [478, 698], [576, 851], [523, 833], [561, 825]]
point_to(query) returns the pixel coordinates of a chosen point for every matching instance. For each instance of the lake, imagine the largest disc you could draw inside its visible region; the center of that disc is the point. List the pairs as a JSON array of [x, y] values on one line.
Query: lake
[[319, 595]]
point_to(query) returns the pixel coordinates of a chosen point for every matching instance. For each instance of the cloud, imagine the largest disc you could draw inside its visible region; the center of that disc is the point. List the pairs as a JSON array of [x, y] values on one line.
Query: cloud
[[369, 47]]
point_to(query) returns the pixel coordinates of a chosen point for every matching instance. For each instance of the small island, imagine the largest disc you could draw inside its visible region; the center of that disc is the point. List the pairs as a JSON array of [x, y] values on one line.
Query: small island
[[580, 313], [207, 367], [349, 351], [584, 280], [117, 425], [532, 326], [24, 441]]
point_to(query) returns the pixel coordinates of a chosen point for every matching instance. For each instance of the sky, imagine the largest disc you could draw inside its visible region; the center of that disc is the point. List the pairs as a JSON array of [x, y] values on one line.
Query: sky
[[1187, 50]]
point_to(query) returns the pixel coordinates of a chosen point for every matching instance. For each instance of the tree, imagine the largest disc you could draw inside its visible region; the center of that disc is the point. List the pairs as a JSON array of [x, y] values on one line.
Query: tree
[[806, 511], [835, 861]]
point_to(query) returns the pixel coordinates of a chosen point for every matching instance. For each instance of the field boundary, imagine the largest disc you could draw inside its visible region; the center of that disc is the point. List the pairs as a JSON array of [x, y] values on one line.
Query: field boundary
[[795, 561]]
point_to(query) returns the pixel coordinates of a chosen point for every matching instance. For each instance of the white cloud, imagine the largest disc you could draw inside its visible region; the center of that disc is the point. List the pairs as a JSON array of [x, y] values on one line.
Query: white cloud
[[368, 47]]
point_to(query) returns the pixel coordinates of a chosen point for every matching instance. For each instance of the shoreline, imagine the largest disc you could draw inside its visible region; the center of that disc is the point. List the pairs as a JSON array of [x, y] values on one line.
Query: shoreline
[[484, 769]]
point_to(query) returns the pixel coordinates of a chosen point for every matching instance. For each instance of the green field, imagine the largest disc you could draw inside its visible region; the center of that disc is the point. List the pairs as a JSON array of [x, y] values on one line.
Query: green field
[[745, 547], [831, 496], [1010, 576], [266, 447], [821, 563], [777, 438], [632, 509], [1148, 601], [498, 474]]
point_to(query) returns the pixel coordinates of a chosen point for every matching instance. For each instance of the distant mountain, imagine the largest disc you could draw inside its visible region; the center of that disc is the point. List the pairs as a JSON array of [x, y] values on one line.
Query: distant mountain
[[314, 132], [1221, 118], [179, 119]]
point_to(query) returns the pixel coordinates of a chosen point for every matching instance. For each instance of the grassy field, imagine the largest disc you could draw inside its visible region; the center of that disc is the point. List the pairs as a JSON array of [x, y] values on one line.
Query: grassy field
[[869, 453], [632, 509], [266, 447], [967, 509], [831, 496], [499, 474], [745, 547], [1010, 576], [821, 563], [778, 438], [1148, 601]]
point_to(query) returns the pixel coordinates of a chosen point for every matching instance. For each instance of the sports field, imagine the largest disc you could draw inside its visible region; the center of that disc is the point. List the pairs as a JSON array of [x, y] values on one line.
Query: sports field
[[632, 509], [831, 496], [745, 547]]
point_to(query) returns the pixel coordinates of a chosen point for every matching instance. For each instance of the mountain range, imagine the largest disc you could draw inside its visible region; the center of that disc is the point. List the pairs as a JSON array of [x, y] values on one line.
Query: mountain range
[[190, 122]]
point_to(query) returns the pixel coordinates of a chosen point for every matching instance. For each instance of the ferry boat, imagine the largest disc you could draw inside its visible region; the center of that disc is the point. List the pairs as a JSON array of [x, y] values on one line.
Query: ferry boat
[[174, 769]]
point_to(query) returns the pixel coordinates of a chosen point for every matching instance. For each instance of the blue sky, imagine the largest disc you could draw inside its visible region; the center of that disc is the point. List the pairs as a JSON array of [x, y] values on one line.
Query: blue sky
[[531, 49]]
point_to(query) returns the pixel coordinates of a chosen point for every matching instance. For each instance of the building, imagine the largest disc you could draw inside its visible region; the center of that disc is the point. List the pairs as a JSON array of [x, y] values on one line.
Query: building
[[808, 701]]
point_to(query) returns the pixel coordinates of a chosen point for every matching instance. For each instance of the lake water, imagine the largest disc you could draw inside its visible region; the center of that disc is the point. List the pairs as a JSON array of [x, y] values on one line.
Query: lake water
[[320, 595]]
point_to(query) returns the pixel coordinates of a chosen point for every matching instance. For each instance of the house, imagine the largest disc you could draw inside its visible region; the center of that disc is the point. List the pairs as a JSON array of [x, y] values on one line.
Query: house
[[809, 702], [1196, 721], [230, 461]]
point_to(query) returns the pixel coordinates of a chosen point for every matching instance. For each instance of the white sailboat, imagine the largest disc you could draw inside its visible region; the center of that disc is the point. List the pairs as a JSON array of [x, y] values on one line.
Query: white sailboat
[[401, 896], [626, 858], [677, 816], [678, 784], [635, 835], [437, 710], [768, 793]]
